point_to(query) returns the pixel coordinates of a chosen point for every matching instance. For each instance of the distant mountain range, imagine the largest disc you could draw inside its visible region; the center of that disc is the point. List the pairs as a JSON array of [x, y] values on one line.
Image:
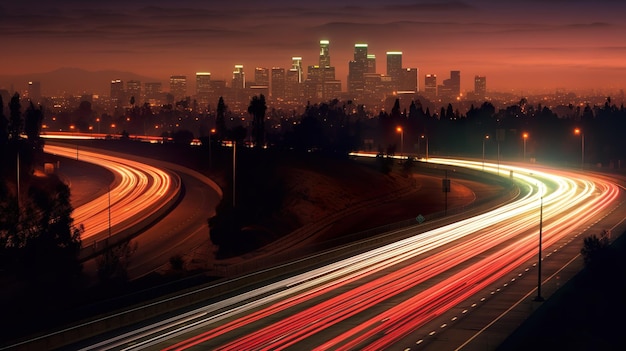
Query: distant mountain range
[[72, 81]]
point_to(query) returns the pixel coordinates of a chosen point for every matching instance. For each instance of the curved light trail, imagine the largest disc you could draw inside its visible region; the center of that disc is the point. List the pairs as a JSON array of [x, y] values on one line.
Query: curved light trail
[[138, 191], [372, 300]]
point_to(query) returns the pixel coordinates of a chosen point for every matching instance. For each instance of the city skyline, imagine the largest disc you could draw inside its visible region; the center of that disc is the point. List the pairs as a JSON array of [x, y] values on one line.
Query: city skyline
[[519, 46]]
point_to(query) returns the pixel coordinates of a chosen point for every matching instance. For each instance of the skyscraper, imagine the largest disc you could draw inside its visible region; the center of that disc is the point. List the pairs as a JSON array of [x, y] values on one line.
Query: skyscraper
[[239, 78], [203, 87], [278, 83], [261, 76], [394, 65], [371, 63], [117, 93], [153, 92], [321, 83], [480, 85], [324, 53], [133, 90], [178, 87], [408, 81], [451, 88], [430, 85], [356, 69], [296, 65]]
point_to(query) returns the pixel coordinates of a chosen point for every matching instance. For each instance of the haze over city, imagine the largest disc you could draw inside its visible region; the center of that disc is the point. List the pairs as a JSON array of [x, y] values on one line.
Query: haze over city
[[520, 46]]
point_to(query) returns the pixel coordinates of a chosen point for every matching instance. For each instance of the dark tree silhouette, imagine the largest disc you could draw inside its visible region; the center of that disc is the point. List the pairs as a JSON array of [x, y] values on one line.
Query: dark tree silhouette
[[15, 122], [257, 109], [32, 125], [220, 119]]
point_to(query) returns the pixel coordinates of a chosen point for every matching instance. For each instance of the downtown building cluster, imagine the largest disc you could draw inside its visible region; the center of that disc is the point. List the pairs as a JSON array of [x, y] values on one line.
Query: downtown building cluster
[[294, 85]]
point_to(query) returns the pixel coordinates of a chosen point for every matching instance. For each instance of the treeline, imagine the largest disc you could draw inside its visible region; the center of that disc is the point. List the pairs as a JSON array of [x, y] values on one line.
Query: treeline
[[38, 239]]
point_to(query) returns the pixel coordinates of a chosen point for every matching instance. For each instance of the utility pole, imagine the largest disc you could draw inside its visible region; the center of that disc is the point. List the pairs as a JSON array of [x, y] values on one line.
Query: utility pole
[[538, 297]]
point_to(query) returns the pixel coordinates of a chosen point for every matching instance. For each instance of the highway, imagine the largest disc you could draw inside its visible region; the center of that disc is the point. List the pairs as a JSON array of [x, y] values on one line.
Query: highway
[[139, 191], [380, 298]]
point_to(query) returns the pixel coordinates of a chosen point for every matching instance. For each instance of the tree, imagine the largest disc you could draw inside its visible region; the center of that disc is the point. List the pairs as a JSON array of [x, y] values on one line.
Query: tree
[[4, 126], [32, 125], [220, 119], [15, 120], [594, 250], [257, 109]]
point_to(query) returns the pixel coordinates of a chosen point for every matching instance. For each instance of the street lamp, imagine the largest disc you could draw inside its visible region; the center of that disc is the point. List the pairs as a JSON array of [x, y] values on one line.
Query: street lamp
[[210, 132], [582, 143], [425, 137], [485, 138], [525, 137], [401, 131]]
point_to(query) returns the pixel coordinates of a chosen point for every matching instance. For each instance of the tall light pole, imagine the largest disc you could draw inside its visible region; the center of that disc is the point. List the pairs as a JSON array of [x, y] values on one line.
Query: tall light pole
[[525, 137], [210, 132], [485, 138], [425, 137], [401, 131], [582, 145]]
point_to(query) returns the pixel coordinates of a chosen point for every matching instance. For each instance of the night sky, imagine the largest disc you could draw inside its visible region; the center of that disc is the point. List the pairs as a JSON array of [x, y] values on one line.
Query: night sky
[[518, 45]]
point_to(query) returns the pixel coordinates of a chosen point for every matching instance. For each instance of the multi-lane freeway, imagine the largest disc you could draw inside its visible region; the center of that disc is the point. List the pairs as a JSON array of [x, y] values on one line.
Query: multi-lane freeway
[[382, 298]]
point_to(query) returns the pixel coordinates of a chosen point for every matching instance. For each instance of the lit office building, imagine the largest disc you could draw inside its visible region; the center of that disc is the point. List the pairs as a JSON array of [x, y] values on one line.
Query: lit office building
[[480, 85], [408, 81], [430, 85], [371, 63], [133, 89], [178, 87], [261, 76], [296, 65], [356, 70], [321, 83], [203, 87], [153, 92], [118, 94], [278, 83], [239, 78], [394, 65]]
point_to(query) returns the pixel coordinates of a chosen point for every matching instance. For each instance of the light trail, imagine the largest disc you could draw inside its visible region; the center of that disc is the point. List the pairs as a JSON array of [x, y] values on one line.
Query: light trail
[[138, 191], [422, 278]]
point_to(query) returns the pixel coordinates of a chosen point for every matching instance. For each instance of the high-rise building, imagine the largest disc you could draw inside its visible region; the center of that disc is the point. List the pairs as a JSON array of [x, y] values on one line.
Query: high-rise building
[[480, 85], [394, 65], [451, 88], [430, 85], [278, 83], [153, 92], [408, 81], [262, 76], [203, 87], [178, 87], [455, 81], [371, 63], [118, 95], [133, 90], [356, 69], [293, 84], [324, 53], [296, 64], [239, 78], [34, 91], [321, 83]]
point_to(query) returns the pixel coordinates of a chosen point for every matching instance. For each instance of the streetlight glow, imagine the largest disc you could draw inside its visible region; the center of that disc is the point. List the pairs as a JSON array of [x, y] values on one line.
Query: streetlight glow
[[525, 137], [401, 131], [578, 131]]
